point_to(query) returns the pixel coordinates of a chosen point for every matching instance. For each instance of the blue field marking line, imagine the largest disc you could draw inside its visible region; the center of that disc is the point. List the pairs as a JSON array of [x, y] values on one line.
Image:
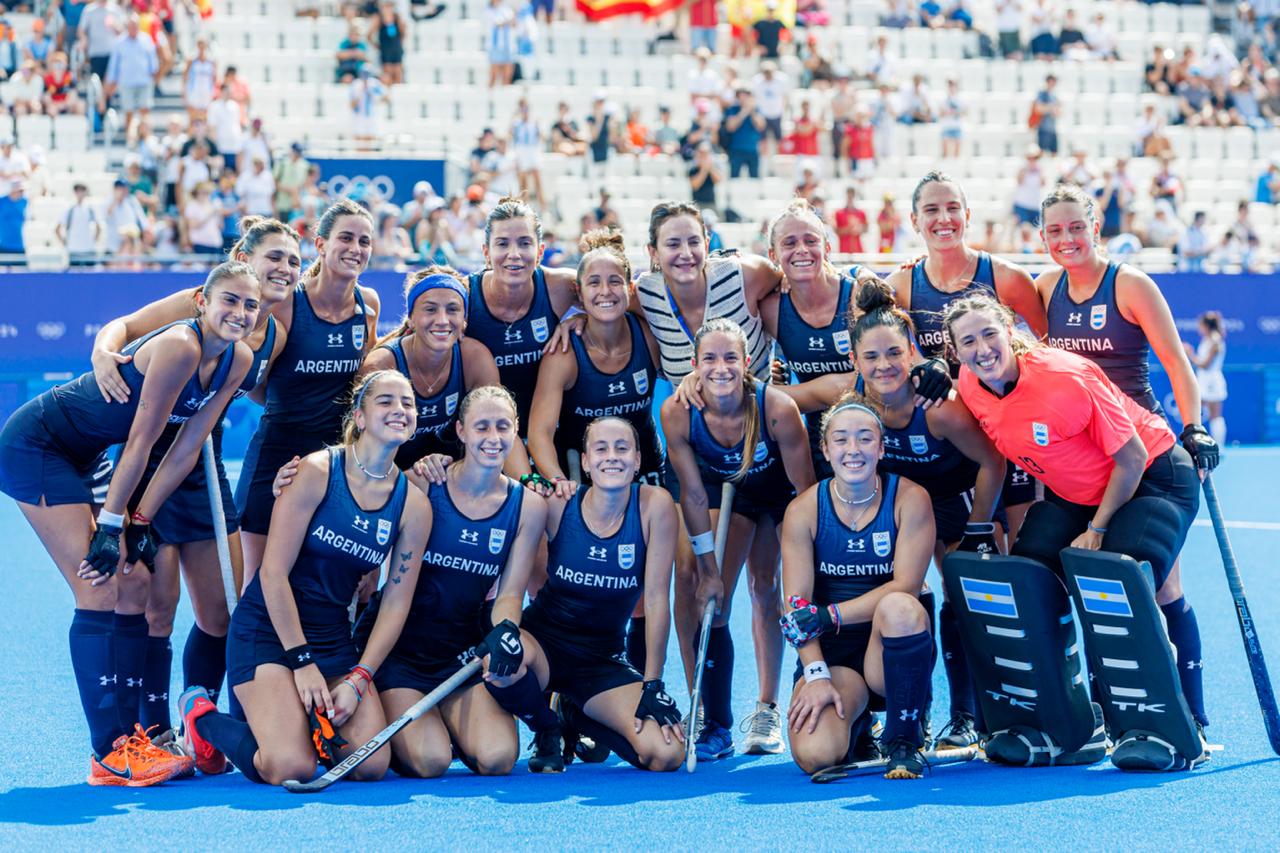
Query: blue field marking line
[[1103, 596], [990, 597]]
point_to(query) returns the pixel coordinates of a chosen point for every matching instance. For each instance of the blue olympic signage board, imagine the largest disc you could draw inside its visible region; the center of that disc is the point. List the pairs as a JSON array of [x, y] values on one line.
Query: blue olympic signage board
[[393, 179]]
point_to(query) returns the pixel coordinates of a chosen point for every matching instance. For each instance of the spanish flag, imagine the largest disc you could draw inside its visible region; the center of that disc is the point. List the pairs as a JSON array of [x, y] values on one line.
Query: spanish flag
[[598, 10]]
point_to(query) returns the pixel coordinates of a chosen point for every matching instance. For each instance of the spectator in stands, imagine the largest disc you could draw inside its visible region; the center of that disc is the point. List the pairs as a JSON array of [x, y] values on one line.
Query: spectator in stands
[[951, 113], [100, 24], [1071, 43], [290, 173], [202, 221], [1045, 110], [39, 45], [1218, 61], [602, 130], [1044, 44], [769, 33], [1028, 189], [256, 189], [24, 91], [958, 15], [743, 129], [1077, 169], [527, 145], [1270, 103], [1240, 241], [704, 174], [223, 121], [770, 89], [10, 51], [803, 139], [255, 144], [13, 215], [1193, 248], [389, 30], [1255, 64], [703, 20], [1114, 192], [60, 95], [1151, 141], [500, 41], [1245, 108], [79, 229], [352, 55], [1165, 184], [194, 167], [884, 114], [239, 92], [1267, 189], [227, 199], [391, 243], [566, 139], [880, 65], [1128, 242], [15, 166], [604, 213], [635, 138], [140, 185], [1195, 106], [915, 104], [703, 129], [929, 14], [364, 95], [807, 187], [199, 81], [704, 81], [1009, 28], [1102, 44], [1181, 69], [122, 211], [1157, 77], [133, 70], [483, 158], [56, 23], [900, 14], [860, 145], [990, 241], [1164, 230], [850, 224], [889, 223], [665, 136], [433, 239], [415, 210], [1025, 240]]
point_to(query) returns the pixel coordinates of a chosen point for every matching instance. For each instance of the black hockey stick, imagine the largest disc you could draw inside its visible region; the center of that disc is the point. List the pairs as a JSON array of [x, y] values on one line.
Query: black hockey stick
[[932, 757]]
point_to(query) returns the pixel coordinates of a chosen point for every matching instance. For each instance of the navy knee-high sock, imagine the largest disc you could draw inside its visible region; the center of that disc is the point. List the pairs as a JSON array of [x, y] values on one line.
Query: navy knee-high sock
[[929, 602], [907, 662], [131, 662], [234, 738], [204, 661], [955, 663], [717, 678], [156, 675], [637, 650], [524, 699], [1184, 633], [600, 733], [93, 663]]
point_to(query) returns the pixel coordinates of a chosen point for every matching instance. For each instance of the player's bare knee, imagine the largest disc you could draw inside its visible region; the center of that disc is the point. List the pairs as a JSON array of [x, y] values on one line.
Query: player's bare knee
[[496, 759], [132, 590], [280, 767], [1171, 590], [899, 614], [811, 754], [427, 763], [372, 768]]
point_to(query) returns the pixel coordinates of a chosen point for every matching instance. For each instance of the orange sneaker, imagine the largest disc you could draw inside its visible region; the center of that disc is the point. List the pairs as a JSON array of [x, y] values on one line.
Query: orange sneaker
[[132, 764], [192, 705], [167, 742]]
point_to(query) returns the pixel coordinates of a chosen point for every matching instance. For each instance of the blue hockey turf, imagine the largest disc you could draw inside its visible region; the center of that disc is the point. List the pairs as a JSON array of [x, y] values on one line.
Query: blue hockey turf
[[1233, 803]]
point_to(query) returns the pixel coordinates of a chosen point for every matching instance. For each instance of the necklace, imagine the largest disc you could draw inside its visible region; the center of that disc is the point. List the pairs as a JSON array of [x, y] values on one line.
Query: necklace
[[369, 473], [448, 360], [836, 486]]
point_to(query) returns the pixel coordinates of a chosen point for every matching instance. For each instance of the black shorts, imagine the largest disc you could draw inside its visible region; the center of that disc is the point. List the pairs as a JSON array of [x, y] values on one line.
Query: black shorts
[[272, 446], [951, 514], [754, 504], [252, 641], [580, 669], [848, 649], [1019, 486], [34, 464], [187, 514], [420, 660]]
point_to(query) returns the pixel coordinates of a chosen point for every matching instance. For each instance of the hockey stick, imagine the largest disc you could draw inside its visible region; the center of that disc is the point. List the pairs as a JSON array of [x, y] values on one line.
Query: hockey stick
[[933, 758], [219, 525], [1248, 631], [416, 710], [704, 635], [575, 466]]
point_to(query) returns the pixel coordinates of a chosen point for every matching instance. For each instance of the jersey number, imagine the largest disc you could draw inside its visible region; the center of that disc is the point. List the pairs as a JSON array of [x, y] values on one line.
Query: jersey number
[[1030, 464]]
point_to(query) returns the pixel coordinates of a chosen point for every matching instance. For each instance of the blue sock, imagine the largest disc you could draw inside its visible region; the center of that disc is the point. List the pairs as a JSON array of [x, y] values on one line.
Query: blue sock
[[929, 602], [131, 661], [204, 661], [94, 666], [524, 699], [156, 675], [1184, 633], [637, 650], [954, 662], [717, 678], [907, 663], [234, 738]]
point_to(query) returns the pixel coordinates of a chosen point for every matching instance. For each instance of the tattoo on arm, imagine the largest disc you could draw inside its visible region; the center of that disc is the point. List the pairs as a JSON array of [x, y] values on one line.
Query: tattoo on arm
[[404, 566]]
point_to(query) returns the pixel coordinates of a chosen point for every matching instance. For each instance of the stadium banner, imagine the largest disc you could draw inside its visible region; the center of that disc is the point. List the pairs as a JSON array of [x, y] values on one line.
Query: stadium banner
[[48, 322], [393, 179], [599, 10]]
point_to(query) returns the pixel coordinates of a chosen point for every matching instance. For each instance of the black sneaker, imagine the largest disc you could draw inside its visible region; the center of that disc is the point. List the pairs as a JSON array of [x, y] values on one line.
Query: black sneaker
[[958, 733], [548, 752], [904, 760], [863, 745], [577, 745]]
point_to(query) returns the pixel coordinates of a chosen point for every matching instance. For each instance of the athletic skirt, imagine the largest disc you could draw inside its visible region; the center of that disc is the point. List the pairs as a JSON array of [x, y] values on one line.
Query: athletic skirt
[[252, 641], [581, 667], [187, 514], [35, 464], [420, 660]]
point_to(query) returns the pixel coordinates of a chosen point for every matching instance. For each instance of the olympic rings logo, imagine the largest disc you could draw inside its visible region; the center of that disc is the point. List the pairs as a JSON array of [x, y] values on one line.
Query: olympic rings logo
[[341, 185]]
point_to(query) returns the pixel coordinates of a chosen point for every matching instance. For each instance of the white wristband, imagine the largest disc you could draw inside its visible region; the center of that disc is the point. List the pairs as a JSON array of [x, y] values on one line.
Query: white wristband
[[110, 518], [816, 671], [703, 543]]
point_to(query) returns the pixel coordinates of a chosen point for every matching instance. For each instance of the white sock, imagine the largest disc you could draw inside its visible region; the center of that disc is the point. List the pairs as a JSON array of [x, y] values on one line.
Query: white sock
[[1218, 429]]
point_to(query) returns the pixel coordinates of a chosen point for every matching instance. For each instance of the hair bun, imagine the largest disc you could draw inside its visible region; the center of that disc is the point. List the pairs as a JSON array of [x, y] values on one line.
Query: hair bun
[[604, 238], [873, 295]]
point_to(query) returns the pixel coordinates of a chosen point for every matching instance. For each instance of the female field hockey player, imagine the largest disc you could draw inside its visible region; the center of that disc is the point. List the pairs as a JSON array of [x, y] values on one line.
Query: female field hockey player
[[751, 434], [290, 657], [611, 545], [851, 582], [331, 323], [1106, 462], [1115, 315], [1208, 357], [184, 525], [182, 373]]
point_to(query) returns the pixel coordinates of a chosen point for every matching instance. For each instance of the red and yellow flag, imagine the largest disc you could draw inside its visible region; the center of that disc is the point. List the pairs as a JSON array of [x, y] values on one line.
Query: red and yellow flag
[[599, 10]]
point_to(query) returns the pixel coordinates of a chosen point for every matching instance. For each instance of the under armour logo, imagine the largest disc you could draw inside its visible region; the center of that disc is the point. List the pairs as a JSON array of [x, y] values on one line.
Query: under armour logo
[[913, 714], [733, 458], [512, 336], [1195, 664], [891, 441], [1075, 318], [361, 524], [335, 339], [813, 670], [154, 697], [133, 682], [427, 411], [595, 553], [471, 537], [616, 388], [104, 680], [817, 343], [304, 656]]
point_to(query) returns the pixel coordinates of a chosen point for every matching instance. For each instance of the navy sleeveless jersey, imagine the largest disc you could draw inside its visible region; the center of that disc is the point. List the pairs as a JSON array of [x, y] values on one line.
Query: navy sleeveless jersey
[[516, 347], [717, 463], [434, 427], [928, 303], [96, 425], [627, 394], [813, 351], [593, 582], [313, 374], [343, 543], [846, 562], [1096, 330], [261, 361], [934, 463]]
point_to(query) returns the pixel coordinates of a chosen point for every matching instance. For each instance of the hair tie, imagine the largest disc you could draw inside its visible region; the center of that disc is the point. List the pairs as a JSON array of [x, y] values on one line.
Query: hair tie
[[435, 281]]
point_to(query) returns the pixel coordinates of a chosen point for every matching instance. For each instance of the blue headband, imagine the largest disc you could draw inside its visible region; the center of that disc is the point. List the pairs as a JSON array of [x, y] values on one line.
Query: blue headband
[[435, 282]]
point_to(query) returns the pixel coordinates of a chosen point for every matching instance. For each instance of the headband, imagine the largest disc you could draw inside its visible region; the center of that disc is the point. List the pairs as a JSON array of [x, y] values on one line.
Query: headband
[[436, 281], [853, 405]]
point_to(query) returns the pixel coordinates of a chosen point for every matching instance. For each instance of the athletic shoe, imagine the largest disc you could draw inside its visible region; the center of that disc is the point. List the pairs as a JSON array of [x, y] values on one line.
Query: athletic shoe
[[167, 741], [863, 742], [694, 730], [548, 752], [904, 760], [714, 742], [958, 733], [192, 705], [764, 730], [576, 745], [131, 763]]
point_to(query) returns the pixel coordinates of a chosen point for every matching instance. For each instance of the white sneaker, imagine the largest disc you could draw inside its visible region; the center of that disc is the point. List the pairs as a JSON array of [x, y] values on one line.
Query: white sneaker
[[694, 731], [764, 731]]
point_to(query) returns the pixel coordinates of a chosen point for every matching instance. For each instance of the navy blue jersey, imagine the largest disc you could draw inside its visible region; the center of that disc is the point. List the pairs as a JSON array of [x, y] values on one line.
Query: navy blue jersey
[[767, 476], [627, 394], [848, 563], [434, 429], [343, 543], [593, 582], [313, 374], [516, 347], [934, 463], [1096, 330], [261, 361], [813, 351], [928, 303]]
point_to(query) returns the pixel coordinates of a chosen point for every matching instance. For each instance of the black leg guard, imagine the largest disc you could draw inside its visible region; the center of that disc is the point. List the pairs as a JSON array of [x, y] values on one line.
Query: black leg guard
[[1150, 530]]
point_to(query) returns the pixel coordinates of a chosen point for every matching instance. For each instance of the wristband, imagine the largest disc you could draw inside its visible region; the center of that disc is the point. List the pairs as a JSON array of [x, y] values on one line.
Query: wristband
[[111, 519], [1101, 531], [834, 612], [359, 696], [299, 656], [703, 543], [362, 671], [571, 311], [139, 518], [816, 671]]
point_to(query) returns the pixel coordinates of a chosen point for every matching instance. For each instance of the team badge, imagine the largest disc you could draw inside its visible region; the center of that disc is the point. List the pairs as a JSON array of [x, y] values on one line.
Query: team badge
[[841, 339], [497, 538], [539, 327], [880, 542], [1040, 432], [451, 403], [919, 444], [357, 336], [762, 452], [626, 556], [384, 531], [1097, 317], [640, 379]]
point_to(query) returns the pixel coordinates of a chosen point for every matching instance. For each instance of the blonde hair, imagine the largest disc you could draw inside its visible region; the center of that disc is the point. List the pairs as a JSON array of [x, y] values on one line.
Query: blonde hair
[[604, 242], [1020, 342], [751, 411], [410, 280], [351, 432], [800, 208], [851, 400], [487, 392]]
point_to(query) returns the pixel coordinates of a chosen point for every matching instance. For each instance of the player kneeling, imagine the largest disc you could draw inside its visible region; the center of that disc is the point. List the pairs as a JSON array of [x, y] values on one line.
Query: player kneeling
[[852, 584]]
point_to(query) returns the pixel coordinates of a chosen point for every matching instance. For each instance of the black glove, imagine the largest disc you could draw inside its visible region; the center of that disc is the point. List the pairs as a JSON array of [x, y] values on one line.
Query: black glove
[[140, 545], [104, 550], [932, 379], [655, 704], [506, 652], [979, 537], [1201, 446]]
